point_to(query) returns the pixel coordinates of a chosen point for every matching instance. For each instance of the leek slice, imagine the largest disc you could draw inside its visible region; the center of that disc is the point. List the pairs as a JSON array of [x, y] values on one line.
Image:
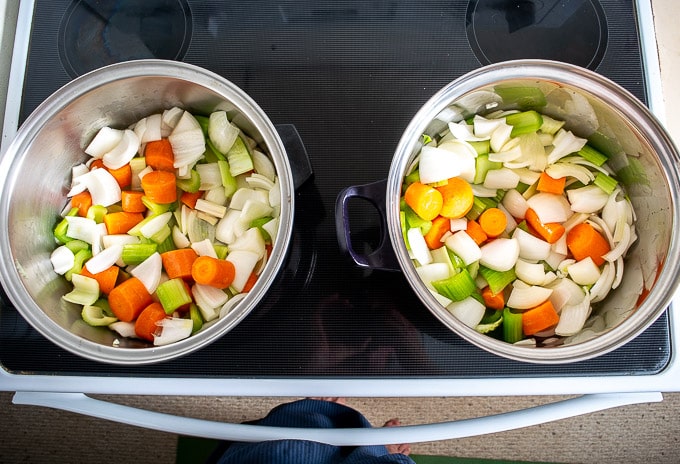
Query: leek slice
[[196, 318], [457, 287], [497, 280], [512, 326]]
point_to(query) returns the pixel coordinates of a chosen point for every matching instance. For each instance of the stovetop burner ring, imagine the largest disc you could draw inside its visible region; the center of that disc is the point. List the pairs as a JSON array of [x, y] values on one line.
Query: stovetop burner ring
[[573, 31], [93, 34]]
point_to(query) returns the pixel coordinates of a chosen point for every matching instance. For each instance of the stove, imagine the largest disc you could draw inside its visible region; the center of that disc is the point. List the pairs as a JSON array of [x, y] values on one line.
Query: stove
[[348, 75]]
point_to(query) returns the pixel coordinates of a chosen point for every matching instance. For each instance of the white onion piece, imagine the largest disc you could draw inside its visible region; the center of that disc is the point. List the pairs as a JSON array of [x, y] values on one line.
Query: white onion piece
[[502, 178], [179, 239], [105, 259], [244, 262], [153, 128], [621, 247], [558, 170], [187, 146], [272, 227], [118, 239], [527, 296], [173, 329], [531, 273], [515, 203], [463, 131], [208, 299], [419, 248], [500, 136], [464, 247], [483, 127], [122, 153], [565, 143], [81, 228], [565, 292], [500, 254], [222, 133], [550, 207], [604, 284], [169, 119], [210, 176], [259, 181], [251, 241], [62, 259], [105, 141], [155, 224], [149, 272], [275, 194], [469, 311], [263, 165], [204, 248], [573, 318], [588, 199], [433, 272], [226, 229], [124, 329], [437, 165], [231, 303], [584, 272], [253, 209], [531, 247]]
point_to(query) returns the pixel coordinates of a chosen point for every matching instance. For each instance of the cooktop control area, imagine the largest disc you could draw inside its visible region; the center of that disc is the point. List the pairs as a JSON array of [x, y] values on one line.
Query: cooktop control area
[[349, 75]]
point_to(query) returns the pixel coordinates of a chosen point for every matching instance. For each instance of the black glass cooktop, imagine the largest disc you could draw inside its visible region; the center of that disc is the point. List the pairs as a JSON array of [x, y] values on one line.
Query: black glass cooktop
[[348, 75]]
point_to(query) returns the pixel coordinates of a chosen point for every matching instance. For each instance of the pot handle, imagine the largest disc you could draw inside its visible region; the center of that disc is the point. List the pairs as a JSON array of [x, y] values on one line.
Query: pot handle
[[301, 167], [586, 404], [383, 257]]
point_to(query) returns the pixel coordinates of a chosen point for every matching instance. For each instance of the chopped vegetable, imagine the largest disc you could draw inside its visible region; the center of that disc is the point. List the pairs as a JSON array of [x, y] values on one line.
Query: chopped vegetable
[[214, 272], [457, 198], [128, 299], [146, 324], [493, 222], [424, 200], [160, 186], [584, 241], [539, 318]]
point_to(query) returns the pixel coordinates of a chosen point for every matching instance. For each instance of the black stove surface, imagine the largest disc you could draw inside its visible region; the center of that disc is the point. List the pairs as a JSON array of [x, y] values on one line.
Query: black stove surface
[[348, 75]]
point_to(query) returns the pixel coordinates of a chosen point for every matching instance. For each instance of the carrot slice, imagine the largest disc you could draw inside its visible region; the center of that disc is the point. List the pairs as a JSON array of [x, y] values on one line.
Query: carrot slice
[[178, 263], [493, 300], [583, 240], [433, 237], [539, 318], [190, 199], [475, 231], [107, 278], [424, 200], [128, 299], [131, 201], [214, 272], [550, 232], [493, 222], [121, 222], [250, 283], [159, 155], [549, 184], [82, 201], [160, 187], [146, 323], [457, 197], [123, 175]]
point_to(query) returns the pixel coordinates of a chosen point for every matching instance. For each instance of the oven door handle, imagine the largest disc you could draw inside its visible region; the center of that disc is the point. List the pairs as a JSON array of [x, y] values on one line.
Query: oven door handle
[[83, 404]]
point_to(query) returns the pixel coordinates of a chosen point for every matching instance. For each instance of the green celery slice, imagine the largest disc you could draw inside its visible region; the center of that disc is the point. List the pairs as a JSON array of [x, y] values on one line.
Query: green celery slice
[[605, 182], [497, 280], [593, 155], [525, 122], [521, 97], [135, 253], [512, 326], [173, 294], [457, 287]]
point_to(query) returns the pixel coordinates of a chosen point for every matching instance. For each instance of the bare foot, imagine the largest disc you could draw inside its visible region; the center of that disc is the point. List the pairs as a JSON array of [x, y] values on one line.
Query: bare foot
[[335, 399], [401, 448]]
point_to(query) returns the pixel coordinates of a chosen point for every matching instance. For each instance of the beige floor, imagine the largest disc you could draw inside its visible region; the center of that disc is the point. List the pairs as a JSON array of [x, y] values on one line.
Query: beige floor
[[646, 433]]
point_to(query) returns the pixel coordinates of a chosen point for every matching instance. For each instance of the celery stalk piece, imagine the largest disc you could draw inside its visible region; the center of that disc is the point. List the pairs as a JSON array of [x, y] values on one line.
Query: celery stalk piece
[[521, 97], [482, 166], [94, 315], [196, 319], [96, 213], [85, 290], [605, 182], [589, 153], [136, 253], [79, 259], [228, 181], [173, 294], [512, 326], [192, 183], [457, 287], [491, 321], [61, 229], [525, 122]]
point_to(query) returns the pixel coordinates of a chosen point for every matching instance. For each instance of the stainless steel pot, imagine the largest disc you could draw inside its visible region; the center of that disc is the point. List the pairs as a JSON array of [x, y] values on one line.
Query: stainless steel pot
[[35, 175], [589, 103]]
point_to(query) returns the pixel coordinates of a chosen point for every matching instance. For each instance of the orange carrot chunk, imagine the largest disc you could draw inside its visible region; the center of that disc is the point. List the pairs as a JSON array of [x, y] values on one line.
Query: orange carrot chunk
[[159, 155], [424, 200], [147, 321], [250, 283], [190, 199], [128, 299], [160, 187], [549, 184], [457, 197], [493, 222], [433, 237], [82, 201], [584, 241], [493, 300], [131, 201], [550, 232], [218, 273], [121, 222], [107, 278], [539, 318], [178, 263], [475, 231], [123, 175]]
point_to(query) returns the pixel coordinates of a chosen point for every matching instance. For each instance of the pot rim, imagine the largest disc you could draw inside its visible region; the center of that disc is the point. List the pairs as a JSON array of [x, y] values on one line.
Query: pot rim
[[10, 276], [626, 103]]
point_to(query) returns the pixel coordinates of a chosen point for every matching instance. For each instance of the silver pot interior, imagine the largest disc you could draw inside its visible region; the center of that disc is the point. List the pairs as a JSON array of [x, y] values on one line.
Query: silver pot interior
[[36, 171], [643, 156]]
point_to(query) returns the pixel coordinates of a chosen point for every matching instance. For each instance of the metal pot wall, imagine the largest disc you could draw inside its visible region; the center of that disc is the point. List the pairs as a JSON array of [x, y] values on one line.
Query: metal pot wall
[[35, 175], [589, 103]]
